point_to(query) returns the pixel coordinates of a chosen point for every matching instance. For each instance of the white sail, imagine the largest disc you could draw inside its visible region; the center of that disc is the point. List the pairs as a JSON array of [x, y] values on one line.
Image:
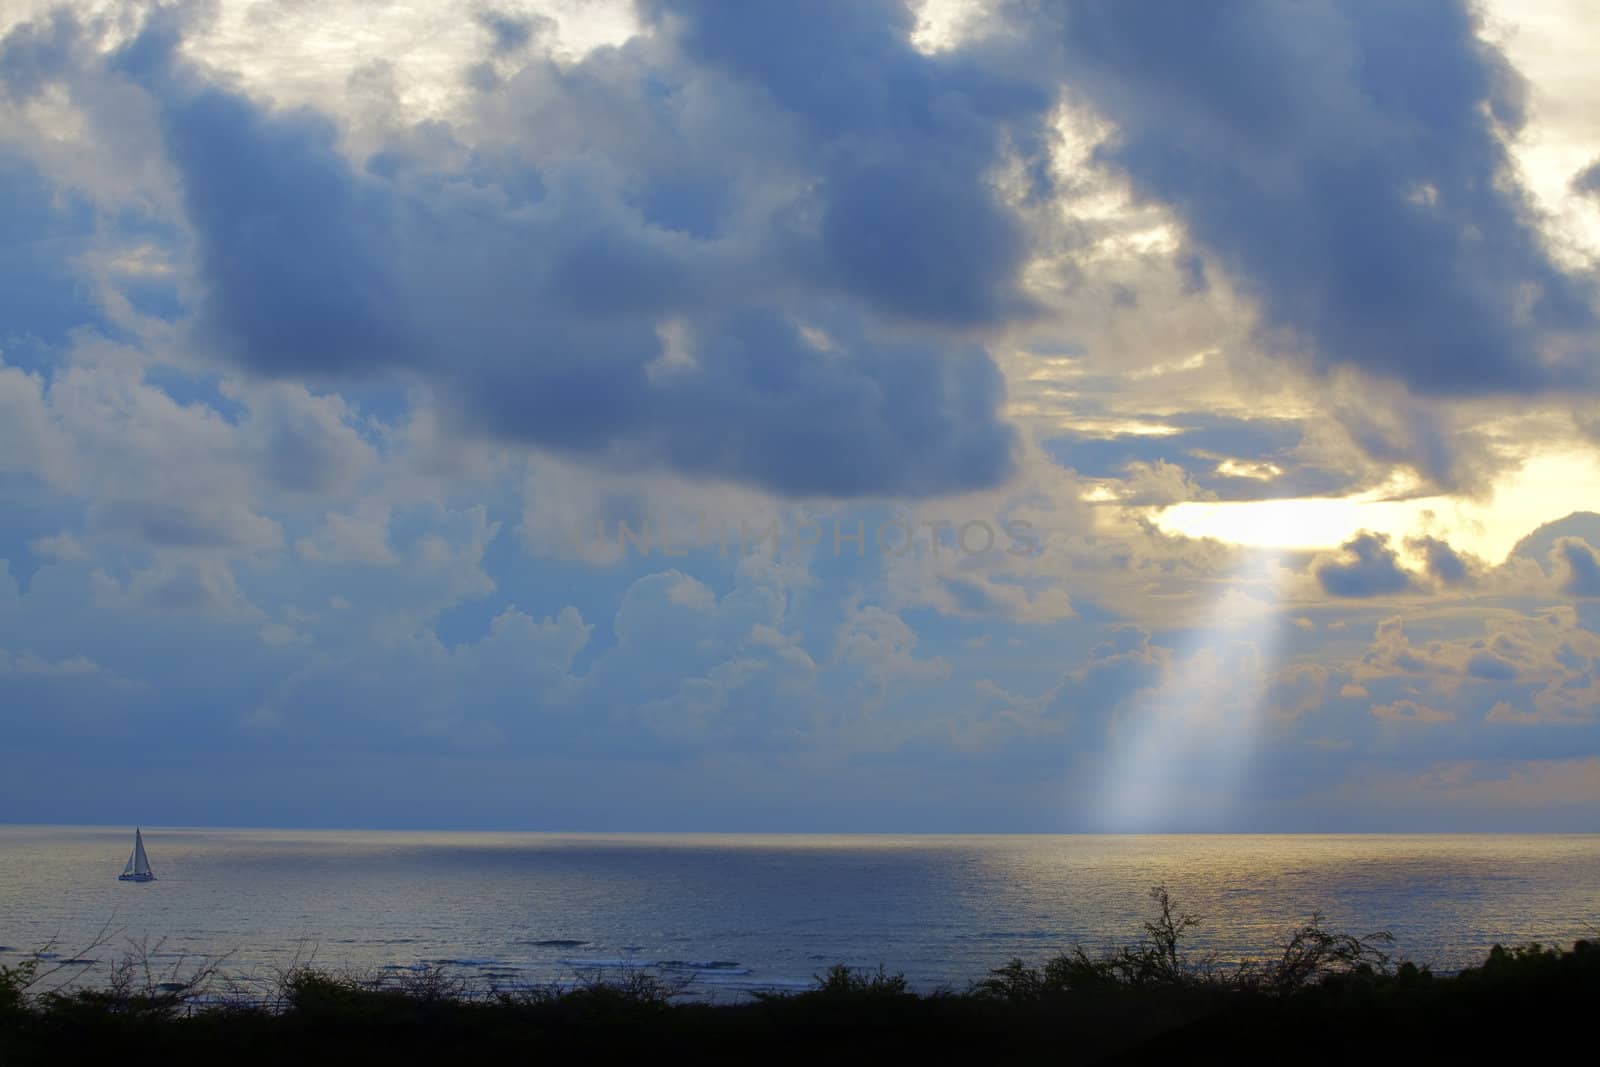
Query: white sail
[[141, 862], [138, 868]]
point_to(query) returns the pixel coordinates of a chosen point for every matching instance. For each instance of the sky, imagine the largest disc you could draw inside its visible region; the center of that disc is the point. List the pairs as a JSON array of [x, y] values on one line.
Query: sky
[[958, 416]]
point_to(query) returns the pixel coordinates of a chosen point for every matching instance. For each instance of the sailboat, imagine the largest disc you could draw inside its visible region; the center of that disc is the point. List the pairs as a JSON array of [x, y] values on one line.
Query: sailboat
[[138, 868]]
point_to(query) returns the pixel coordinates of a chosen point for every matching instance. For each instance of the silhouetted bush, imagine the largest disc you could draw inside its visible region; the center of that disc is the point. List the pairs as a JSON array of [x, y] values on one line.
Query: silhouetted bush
[[842, 981], [1536, 965], [1313, 955], [15, 981], [1159, 959]]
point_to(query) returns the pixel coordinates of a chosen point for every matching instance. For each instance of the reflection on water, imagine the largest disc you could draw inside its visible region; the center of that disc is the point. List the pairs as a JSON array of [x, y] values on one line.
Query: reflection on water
[[767, 911]]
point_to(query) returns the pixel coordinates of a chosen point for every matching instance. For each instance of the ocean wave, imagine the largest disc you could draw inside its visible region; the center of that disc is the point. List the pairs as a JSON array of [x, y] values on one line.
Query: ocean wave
[[1012, 935], [555, 942], [720, 978], [708, 968], [778, 985]]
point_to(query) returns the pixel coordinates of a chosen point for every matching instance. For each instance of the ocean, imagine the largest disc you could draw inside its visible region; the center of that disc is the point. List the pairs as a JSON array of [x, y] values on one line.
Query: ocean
[[734, 913]]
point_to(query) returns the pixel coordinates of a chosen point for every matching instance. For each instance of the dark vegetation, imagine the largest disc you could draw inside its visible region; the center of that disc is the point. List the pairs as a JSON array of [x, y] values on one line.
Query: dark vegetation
[[1324, 997]]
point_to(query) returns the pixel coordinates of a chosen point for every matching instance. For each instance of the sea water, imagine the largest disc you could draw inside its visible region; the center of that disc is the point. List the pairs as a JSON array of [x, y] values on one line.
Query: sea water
[[733, 913]]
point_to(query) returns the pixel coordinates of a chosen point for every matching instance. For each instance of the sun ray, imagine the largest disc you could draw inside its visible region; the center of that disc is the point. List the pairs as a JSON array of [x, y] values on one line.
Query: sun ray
[[1180, 754]]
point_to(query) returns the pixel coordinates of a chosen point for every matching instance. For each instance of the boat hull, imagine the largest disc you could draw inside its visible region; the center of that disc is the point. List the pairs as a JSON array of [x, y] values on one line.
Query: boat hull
[[136, 877]]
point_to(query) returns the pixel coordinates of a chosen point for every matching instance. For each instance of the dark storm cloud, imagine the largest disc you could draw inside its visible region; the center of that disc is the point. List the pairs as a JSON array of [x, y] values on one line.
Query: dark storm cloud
[[809, 202], [1582, 566], [1587, 180], [815, 345], [1444, 564], [296, 268], [1541, 545], [1345, 162], [1371, 568], [35, 53], [511, 33], [1400, 431], [768, 407], [909, 219]]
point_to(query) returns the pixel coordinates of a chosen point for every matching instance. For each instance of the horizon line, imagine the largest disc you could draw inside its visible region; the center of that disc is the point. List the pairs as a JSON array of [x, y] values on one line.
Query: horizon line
[[9, 824]]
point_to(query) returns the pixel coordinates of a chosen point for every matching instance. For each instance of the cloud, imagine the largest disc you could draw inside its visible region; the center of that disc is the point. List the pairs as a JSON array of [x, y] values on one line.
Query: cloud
[[304, 443], [33, 53], [28, 665], [1444, 564], [1587, 180], [63, 546], [512, 33], [1360, 192], [1409, 711], [31, 441], [150, 472], [45, 229], [1160, 484], [883, 648], [1371, 568], [1581, 565], [535, 291], [1225, 457], [288, 341], [415, 691], [1303, 688], [1513, 667], [1485, 791], [1490, 667], [197, 587], [1393, 428], [1540, 545], [361, 537], [182, 522], [931, 243]]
